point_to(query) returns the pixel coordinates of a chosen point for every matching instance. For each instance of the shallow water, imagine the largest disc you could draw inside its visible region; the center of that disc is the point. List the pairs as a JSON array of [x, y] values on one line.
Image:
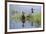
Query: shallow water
[[18, 25]]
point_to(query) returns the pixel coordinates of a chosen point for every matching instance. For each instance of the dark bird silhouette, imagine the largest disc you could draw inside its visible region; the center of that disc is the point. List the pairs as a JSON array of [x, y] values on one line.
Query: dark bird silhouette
[[32, 10], [32, 15], [23, 19]]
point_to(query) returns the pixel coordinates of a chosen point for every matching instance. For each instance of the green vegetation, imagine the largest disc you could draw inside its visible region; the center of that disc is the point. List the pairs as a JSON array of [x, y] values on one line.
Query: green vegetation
[[36, 18], [17, 17]]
